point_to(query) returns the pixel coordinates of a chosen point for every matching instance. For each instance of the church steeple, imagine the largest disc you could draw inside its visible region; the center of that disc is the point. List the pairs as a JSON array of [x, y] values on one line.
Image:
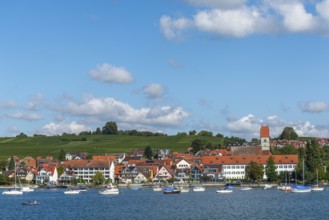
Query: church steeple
[[265, 137]]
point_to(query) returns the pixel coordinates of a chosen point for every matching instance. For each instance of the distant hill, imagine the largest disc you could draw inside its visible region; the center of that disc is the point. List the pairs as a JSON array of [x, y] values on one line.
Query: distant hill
[[93, 144]]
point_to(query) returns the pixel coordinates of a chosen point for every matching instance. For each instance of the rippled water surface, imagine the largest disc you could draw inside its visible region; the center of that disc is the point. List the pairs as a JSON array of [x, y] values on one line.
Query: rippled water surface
[[146, 204]]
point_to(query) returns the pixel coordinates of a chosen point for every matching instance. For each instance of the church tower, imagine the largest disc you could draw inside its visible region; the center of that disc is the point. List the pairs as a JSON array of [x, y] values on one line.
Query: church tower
[[265, 137]]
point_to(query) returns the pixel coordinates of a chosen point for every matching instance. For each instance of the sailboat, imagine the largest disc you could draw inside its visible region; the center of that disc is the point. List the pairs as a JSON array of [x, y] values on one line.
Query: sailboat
[[13, 191], [301, 189], [317, 188]]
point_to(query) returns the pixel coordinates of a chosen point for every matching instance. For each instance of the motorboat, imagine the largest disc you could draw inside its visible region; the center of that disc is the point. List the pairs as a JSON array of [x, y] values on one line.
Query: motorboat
[[285, 188], [109, 190], [184, 190], [72, 192], [267, 186], [171, 190], [226, 189], [157, 189], [199, 188], [27, 189], [31, 203]]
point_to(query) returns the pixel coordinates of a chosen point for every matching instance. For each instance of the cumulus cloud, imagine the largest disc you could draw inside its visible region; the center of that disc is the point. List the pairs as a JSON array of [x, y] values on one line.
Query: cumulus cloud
[[24, 116], [60, 128], [249, 127], [110, 74], [106, 109], [241, 19], [154, 90], [314, 107], [172, 28], [295, 16]]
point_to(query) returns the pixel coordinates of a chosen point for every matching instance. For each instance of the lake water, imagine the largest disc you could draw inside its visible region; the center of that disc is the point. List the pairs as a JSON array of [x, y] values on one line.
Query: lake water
[[146, 204]]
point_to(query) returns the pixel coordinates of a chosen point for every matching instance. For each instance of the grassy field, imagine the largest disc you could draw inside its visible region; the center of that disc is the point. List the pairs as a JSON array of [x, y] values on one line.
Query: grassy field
[[93, 144]]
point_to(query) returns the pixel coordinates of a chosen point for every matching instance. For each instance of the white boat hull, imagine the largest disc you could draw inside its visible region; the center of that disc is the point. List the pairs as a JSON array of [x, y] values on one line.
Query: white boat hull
[[12, 192], [224, 191], [72, 192], [246, 188], [317, 189], [301, 190], [109, 192], [26, 189]]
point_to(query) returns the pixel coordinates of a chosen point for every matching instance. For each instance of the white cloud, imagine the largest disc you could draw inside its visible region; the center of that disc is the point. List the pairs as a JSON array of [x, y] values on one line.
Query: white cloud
[[218, 3], [105, 109], [246, 126], [60, 128], [314, 107], [309, 130], [249, 127], [25, 116], [295, 16], [154, 90], [323, 8], [236, 22], [244, 18], [111, 74], [172, 28]]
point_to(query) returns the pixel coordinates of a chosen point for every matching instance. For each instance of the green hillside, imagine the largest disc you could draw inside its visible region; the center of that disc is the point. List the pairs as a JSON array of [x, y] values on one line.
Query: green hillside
[[93, 144]]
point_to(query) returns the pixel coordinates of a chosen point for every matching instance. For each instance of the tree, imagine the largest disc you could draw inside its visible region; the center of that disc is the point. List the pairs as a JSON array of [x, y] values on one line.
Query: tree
[[288, 133], [3, 165], [197, 145], [21, 135], [61, 155], [219, 135], [313, 158], [148, 152], [98, 178], [110, 128], [205, 133], [60, 171], [3, 180], [192, 133], [270, 170], [12, 164], [254, 171]]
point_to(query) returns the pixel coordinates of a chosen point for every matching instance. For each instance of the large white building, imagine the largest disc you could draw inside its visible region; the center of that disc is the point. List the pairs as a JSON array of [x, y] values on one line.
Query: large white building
[[233, 167], [86, 169]]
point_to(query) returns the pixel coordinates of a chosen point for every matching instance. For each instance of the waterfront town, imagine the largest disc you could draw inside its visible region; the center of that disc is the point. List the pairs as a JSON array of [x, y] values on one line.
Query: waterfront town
[[217, 165]]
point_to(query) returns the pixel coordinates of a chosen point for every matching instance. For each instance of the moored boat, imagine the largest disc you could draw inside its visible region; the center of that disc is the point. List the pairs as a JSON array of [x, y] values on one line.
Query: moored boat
[[72, 192], [171, 190], [109, 190], [246, 188], [199, 188], [226, 189], [31, 203], [12, 192]]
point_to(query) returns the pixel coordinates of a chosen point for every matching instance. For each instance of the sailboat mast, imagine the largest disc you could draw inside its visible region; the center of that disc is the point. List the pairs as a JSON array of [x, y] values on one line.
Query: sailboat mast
[[303, 172]]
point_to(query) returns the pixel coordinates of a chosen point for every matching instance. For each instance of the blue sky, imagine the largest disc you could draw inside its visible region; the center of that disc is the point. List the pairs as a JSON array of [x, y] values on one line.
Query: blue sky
[[226, 66]]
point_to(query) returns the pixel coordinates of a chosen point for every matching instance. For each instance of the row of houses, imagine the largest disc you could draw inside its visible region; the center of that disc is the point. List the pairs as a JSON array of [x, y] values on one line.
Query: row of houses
[[215, 165]]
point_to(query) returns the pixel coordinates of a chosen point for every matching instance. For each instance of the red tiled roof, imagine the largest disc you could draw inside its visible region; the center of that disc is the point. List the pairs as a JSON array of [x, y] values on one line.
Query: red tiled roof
[[260, 159], [264, 132], [106, 157]]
